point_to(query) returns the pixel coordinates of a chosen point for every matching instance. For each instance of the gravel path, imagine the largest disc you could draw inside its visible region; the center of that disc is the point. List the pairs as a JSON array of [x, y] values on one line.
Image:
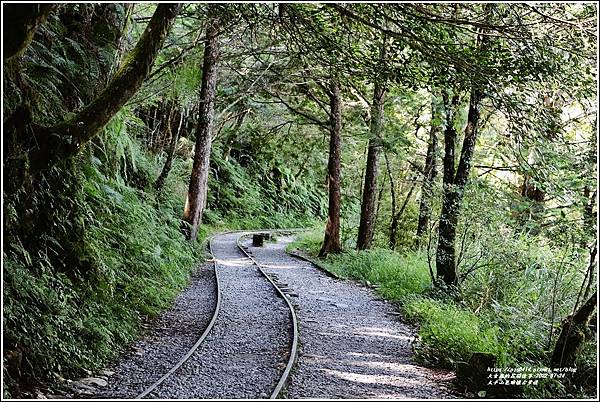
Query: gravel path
[[353, 346], [247, 349], [169, 337]]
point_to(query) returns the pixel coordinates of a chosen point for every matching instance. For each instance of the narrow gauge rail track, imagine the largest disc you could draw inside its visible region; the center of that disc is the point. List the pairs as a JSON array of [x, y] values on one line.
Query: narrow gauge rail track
[[293, 348]]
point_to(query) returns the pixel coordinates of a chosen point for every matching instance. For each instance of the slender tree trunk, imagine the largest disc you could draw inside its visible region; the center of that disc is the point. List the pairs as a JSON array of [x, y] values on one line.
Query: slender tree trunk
[[429, 176], [445, 257], [155, 123], [397, 215], [589, 215], [573, 334], [394, 223], [455, 182], [379, 199], [66, 139], [405, 203], [331, 242], [367, 211], [170, 156], [196, 198], [454, 185]]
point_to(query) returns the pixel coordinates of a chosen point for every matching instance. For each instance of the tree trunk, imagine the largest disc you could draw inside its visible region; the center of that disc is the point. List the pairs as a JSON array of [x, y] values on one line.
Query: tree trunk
[[367, 210], [429, 176], [454, 186], [66, 139], [20, 23], [331, 243], [445, 256], [379, 200], [573, 334], [405, 203], [394, 223], [171, 154], [455, 182], [397, 215], [196, 198], [589, 215]]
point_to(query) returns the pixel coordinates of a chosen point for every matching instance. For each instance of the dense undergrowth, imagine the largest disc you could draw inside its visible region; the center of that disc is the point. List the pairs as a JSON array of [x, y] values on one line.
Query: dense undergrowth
[[125, 261], [494, 312], [127, 258]]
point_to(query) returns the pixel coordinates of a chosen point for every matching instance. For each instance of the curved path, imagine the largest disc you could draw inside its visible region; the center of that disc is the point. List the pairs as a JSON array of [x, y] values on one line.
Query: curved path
[[353, 345], [243, 356], [168, 338], [246, 351]]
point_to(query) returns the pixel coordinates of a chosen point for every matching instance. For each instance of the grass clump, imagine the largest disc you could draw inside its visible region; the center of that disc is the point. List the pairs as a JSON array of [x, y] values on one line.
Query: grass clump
[[450, 333], [397, 277]]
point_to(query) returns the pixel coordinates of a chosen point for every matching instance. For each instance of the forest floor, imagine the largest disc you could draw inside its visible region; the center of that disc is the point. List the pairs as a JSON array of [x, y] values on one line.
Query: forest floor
[[352, 343]]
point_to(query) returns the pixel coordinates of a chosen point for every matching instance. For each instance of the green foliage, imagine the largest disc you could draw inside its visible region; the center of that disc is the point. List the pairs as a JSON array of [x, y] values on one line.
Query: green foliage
[[63, 66], [505, 307], [309, 241], [128, 263], [256, 186], [450, 333], [397, 276]]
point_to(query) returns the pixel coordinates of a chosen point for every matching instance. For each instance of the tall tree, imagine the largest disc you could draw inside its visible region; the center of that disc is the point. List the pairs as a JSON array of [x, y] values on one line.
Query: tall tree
[[367, 210], [196, 197], [454, 185], [331, 242], [455, 180], [174, 138]]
